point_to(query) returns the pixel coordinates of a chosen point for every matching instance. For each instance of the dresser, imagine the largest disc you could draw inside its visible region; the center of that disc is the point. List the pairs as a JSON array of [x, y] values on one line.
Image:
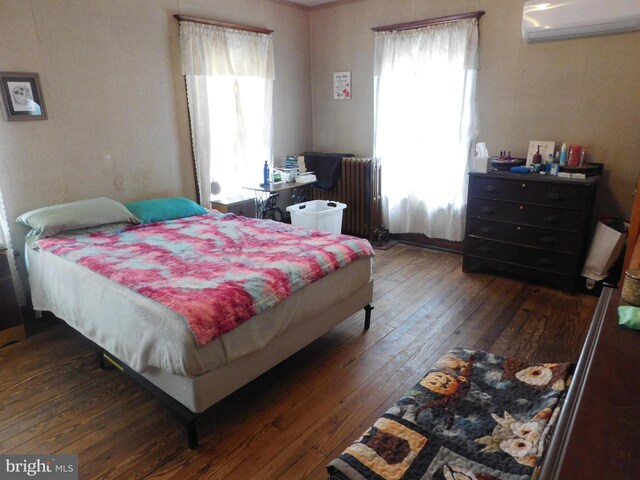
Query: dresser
[[530, 225], [11, 326]]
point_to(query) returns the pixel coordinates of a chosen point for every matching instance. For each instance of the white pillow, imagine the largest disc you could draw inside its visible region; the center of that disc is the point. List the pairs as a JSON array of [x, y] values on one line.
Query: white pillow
[[48, 221]]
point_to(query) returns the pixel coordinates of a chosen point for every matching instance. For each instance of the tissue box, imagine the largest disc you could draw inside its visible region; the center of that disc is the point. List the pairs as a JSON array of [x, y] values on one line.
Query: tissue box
[[480, 164]]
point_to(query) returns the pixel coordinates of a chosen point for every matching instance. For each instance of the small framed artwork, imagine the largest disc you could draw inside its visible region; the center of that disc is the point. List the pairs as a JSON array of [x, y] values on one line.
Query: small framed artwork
[[341, 85], [21, 96], [546, 148]]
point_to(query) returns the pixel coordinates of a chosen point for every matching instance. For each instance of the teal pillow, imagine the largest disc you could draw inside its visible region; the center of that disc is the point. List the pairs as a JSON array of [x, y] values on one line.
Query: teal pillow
[[49, 221], [161, 209]]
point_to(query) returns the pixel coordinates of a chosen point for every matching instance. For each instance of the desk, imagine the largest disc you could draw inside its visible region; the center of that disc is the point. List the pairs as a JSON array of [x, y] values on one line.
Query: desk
[[266, 198], [598, 431]]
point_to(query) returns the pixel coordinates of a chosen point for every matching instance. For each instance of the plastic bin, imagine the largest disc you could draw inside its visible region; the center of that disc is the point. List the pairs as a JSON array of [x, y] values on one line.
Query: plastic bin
[[322, 215]]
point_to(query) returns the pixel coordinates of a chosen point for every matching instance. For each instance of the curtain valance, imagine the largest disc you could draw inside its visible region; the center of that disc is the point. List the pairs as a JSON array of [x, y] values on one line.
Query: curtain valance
[[457, 40], [247, 54]]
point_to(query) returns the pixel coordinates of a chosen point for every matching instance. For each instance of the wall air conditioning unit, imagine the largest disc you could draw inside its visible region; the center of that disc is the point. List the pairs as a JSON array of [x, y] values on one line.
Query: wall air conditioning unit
[[560, 19]]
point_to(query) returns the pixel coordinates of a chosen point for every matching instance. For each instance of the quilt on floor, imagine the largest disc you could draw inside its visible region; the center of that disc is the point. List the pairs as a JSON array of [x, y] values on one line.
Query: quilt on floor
[[474, 416], [216, 270]]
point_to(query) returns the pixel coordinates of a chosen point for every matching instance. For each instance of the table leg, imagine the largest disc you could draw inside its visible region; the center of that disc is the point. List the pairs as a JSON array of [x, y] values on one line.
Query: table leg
[[298, 195]]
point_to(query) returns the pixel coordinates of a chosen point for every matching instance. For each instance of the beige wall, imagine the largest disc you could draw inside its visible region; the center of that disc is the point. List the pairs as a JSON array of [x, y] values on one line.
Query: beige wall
[[577, 91], [118, 121]]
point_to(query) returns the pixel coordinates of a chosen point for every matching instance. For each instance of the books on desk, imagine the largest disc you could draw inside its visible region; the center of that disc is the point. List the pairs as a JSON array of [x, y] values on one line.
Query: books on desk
[[285, 174], [297, 162]]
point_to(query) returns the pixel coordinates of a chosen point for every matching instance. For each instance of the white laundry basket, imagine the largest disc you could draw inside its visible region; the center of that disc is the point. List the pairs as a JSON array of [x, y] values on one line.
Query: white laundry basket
[[323, 215]]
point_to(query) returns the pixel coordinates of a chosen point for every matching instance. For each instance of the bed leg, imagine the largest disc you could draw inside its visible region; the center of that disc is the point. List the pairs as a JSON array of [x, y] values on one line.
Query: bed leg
[[367, 316], [192, 433]]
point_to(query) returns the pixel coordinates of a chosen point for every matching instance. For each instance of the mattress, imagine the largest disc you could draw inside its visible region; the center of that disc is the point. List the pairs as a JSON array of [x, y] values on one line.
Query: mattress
[[148, 336]]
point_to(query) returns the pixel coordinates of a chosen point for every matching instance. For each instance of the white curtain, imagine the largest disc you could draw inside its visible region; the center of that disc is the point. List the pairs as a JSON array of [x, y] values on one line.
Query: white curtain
[[229, 75], [425, 123]]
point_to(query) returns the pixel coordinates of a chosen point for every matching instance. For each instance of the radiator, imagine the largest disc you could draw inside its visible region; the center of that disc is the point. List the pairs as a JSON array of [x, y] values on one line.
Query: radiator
[[359, 188]]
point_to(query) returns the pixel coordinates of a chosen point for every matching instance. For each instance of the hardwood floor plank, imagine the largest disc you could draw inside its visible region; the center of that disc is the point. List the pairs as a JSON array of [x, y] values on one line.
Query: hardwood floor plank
[[49, 385], [95, 394], [61, 435], [146, 457], [219, 460], [27, 366], [308, 462], [568, 323]]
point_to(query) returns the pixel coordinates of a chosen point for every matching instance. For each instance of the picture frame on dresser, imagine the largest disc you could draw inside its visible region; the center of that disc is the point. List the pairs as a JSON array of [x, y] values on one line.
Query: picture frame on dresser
[[22, 97], [546, 148]]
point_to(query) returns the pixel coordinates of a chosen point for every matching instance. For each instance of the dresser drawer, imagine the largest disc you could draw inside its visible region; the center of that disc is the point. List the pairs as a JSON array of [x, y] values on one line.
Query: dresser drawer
[[520, 255], [550, 193], [529, 191], [496, 188], [524, 235], [526, 214]]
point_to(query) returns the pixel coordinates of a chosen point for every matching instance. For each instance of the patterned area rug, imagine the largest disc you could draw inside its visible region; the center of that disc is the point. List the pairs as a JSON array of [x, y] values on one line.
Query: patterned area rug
[[474, 416]]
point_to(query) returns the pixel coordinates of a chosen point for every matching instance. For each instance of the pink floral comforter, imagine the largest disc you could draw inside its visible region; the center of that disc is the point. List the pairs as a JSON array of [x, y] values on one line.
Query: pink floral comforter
[[216, 270]]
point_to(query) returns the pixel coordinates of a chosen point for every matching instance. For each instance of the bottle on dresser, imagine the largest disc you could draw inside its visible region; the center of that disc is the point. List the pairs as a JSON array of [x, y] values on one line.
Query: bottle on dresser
[[547, 163], [563, 154]]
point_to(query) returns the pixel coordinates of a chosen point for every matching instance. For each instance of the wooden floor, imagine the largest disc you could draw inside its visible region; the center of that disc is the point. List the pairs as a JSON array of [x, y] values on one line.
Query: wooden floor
[[291, 421]]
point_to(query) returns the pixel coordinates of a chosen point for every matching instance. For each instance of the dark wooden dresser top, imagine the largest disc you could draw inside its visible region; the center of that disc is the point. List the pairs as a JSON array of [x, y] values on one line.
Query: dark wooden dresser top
[[536, 177], [598, 432]]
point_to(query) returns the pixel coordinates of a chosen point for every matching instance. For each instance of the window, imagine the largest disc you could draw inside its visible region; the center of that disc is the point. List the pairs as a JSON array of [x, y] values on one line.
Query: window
[[425, 124], [229, 77]]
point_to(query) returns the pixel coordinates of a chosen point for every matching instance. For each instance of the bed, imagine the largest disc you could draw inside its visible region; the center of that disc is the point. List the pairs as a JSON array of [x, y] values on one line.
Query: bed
[[153, 340]]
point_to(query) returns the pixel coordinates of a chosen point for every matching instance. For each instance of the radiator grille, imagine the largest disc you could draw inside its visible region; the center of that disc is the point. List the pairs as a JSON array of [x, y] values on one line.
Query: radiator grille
[[359, 188]]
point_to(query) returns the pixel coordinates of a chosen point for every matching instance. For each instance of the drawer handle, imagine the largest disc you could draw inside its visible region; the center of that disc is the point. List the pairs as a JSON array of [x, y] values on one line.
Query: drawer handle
[[490, 188], [545, 261], [487, 210], [524, 185], [548, 240], [554, 196], [521, 207], [486, 229], [550, 219]]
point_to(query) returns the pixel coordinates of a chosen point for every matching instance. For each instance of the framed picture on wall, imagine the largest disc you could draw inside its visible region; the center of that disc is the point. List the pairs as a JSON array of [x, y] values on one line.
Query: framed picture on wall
[[21, 96], [341, 85]]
